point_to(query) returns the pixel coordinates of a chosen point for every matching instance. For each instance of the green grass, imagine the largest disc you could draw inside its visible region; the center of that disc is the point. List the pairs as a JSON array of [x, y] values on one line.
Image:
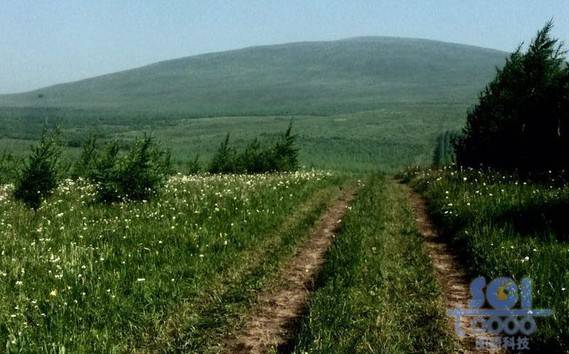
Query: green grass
[[377, 290], [170, 274], [389, 139], [508, 227]]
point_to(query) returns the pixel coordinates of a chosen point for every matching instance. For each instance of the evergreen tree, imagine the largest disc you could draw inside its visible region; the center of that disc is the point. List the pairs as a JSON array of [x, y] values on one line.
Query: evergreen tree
[[84, 166], [136, 175], [105, 174], [253, 159], [285, 152], [224, 160], [194, 166], [39, 175], [520, 121]]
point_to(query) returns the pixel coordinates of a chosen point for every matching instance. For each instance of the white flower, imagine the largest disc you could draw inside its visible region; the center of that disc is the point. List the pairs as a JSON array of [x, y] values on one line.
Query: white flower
[[140, 279]]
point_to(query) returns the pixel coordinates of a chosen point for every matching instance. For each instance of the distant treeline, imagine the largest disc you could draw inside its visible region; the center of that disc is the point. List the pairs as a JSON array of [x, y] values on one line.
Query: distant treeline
[[521, 121]]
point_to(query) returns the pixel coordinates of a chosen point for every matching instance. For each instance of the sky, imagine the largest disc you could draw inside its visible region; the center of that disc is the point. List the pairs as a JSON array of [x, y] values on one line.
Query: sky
[[44, 42]]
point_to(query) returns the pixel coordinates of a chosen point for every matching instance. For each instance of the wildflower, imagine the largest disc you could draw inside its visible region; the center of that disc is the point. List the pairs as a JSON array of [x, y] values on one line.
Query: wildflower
[[140, 279], [53, 292]]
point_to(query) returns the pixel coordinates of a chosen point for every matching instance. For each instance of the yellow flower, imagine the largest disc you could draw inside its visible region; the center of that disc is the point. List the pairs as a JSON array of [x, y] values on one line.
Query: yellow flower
[[53, 292]]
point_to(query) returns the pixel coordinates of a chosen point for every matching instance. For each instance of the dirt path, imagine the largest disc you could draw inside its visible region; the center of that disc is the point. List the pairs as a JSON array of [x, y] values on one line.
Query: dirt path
[[449, 271], [271, 323]]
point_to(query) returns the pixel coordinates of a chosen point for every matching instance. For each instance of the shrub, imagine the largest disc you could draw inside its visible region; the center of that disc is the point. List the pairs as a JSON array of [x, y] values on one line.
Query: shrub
[[105, 174], [285, 154], [86, 163], [282, 156], [136, 176], [253, 159], [143, 170], [194, 166], [224, 160], [39, 175]]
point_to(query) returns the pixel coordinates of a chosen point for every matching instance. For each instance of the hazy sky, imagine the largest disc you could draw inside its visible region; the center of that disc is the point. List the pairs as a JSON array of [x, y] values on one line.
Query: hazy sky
[[43, 42]]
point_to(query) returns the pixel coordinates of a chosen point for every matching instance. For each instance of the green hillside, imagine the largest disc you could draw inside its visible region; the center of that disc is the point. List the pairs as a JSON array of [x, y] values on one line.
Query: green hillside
[[300, 78], [357, 104]]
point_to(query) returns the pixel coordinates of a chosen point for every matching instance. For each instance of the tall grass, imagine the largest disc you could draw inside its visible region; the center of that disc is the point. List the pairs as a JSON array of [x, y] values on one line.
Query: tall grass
[[508, 227]]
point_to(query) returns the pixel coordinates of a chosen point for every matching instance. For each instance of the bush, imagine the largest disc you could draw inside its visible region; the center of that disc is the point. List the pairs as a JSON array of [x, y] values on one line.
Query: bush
[[194, 166], [86, 163], [253, 159], [105, 174], [224, 160], [136, 176], [39, 175], [282, 156]]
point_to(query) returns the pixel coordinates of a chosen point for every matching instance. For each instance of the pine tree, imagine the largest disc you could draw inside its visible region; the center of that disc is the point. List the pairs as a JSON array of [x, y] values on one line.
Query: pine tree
[[85, 164], [39, 175], [136, 175], [520, 120], [224, 160], [286, 153]]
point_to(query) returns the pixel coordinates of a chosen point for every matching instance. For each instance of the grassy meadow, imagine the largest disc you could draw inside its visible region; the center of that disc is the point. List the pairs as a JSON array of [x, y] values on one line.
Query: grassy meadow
[[505, 226], [391, 138], [168, 274]]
